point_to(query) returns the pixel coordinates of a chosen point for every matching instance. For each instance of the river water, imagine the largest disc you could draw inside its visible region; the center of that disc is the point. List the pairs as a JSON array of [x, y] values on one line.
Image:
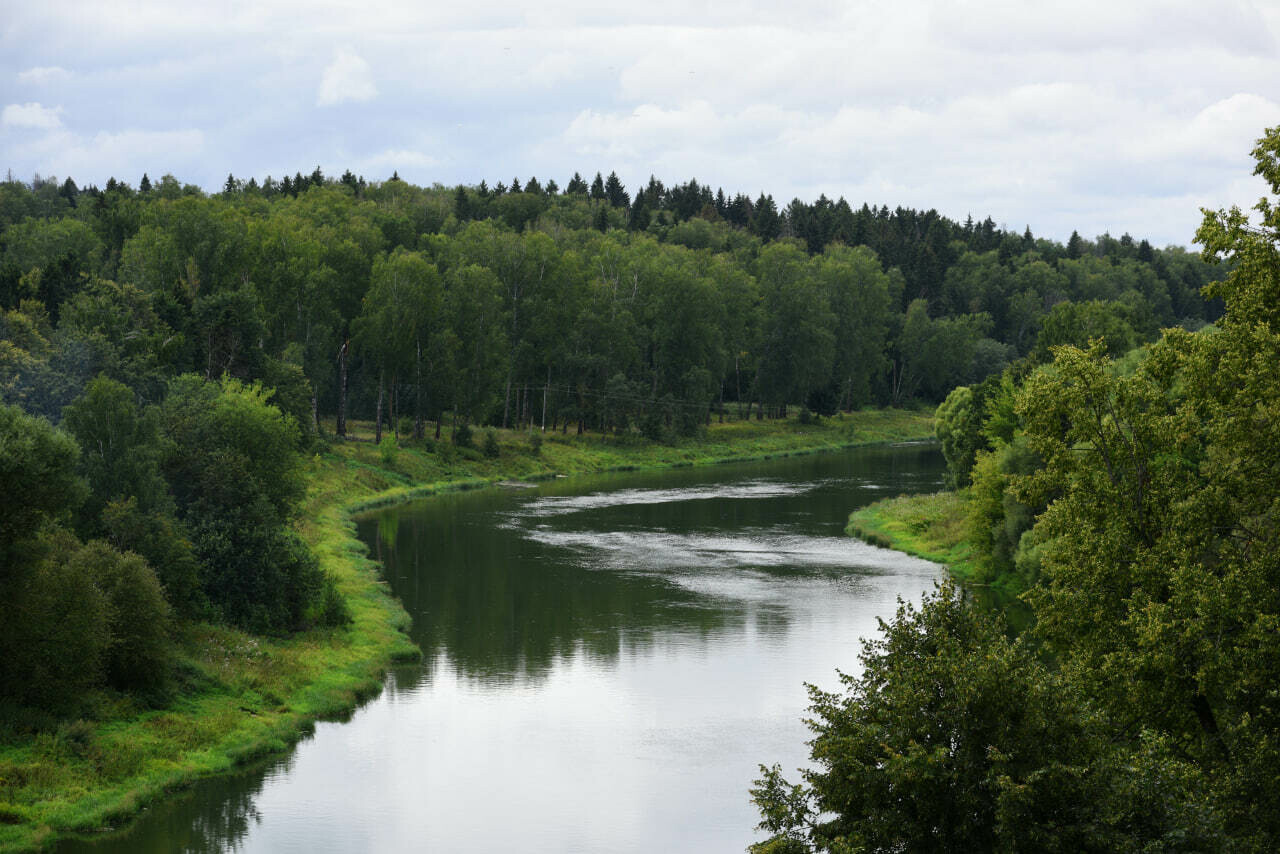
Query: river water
[[607, 661]]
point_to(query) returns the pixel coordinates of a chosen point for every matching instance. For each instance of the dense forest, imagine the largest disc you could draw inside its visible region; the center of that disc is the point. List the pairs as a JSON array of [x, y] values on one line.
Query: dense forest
[[522, 304], [1132, 497], [168, 358]]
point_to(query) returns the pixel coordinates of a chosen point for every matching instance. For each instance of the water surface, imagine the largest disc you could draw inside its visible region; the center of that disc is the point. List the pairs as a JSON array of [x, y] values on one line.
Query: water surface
[[606, 663]]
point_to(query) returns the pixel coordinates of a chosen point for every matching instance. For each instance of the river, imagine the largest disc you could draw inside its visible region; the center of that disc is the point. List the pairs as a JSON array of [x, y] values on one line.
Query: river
[[607, 660]]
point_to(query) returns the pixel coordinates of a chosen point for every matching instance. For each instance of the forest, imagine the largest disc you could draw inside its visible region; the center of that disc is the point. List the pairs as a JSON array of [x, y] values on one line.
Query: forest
[[170, 358], [1130, 497]]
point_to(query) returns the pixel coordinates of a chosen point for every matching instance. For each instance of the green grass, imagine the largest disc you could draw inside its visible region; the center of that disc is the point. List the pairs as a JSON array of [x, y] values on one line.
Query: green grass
[[928, 526], [238, 697]]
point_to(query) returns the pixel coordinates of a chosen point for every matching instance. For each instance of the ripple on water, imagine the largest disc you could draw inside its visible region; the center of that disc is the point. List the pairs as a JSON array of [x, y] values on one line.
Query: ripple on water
[[559, 505]]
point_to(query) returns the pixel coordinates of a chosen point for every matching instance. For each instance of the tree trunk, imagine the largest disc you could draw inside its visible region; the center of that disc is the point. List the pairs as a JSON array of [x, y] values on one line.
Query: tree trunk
[[395, 410], [341, 427], [377, 419], [417, 394], [506, 401]]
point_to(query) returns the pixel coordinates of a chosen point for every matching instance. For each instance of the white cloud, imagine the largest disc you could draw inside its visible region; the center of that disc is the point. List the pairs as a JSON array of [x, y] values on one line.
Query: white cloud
[[31, 115], [396, 159], [44, 74], [1067, 114], [92, 158], [347, 78]]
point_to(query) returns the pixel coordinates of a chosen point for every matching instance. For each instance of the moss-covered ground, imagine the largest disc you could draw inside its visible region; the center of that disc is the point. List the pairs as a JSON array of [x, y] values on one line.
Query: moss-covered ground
[[236, 697]]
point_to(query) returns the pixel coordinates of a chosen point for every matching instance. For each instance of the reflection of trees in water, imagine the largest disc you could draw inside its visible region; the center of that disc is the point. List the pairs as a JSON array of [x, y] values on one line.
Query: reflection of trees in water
[[226, 826], [501, 608], [216, 815], [504, 609]]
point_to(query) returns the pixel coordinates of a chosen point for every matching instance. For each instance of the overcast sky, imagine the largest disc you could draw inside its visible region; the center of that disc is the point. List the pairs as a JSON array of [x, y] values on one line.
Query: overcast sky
[[1101, 116]]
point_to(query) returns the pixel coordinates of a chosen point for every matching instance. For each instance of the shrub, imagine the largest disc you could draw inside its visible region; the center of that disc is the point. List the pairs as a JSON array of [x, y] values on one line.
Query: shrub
[[388, 450], [462, 435], [138, 654], [491, 449], [60, 622]]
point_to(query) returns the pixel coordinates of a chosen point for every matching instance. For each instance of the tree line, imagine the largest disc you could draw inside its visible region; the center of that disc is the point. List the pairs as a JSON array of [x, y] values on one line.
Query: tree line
[[1131, 494], [524, 304]]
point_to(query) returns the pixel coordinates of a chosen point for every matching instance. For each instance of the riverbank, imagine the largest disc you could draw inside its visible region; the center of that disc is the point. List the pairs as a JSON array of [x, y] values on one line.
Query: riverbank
[[928, 526], [237, 697]]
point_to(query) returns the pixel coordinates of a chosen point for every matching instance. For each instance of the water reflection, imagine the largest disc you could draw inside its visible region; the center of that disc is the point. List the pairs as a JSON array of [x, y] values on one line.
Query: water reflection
[[605, 662], [510, 582], [215, 816]]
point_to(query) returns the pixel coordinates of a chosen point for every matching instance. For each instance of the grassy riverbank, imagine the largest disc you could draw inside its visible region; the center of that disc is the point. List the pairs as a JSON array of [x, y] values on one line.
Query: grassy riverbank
[[927, 526], [237, 697]]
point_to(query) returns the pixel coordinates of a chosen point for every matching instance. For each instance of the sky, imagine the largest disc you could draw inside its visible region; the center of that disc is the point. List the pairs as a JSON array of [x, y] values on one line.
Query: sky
[[1118, 116]]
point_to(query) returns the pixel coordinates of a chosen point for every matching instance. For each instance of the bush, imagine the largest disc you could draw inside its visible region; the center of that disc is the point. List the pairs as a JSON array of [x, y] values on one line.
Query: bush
[[388, 450], [535, 443], [462, 435], [491, 449], [163, 543], [138, 655], [333, 608], [60, 622]]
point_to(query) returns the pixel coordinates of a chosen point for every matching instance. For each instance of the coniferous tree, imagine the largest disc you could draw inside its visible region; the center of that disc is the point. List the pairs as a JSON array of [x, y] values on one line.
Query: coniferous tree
[[144, 186], [766, 223], [461, 204], [575, 185], [69, 191], [1075, 246], [597, 187], [615, 192]]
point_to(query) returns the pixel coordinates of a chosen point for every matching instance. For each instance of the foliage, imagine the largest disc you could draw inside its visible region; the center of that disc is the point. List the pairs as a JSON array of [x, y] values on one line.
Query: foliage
[[138, 655], [1138, 501], [953, 738], [121, 450], [38, 468], [958, 426], [58, 632], [237, 479]]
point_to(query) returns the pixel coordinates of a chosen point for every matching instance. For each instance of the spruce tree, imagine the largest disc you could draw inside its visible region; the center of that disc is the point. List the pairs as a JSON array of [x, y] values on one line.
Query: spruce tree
[[615, 192], [1075, 246]]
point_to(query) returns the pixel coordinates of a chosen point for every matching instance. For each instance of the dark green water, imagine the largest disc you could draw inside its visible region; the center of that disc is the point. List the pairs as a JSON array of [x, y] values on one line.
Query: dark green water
[[606, 662]]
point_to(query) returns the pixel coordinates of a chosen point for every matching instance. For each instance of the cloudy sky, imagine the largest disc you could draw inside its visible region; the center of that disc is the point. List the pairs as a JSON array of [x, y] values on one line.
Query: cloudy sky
[[1102, 116]]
